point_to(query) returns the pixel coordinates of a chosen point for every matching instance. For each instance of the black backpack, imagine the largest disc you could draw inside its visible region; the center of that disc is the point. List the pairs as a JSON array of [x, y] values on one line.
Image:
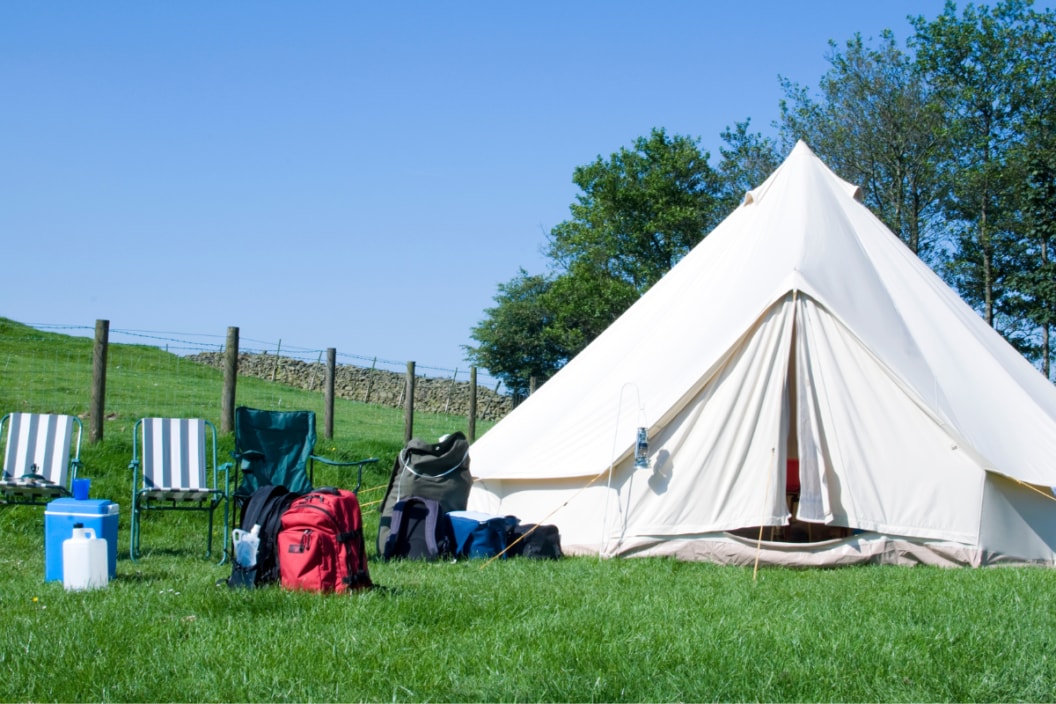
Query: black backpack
[[420, 530], [265, 508]]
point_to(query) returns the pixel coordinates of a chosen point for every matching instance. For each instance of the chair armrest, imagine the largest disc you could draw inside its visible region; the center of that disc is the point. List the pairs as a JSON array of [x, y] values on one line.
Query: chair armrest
[[247, 455], [226, 469], [338, 463], [243, 465], [335, 463], [244, 460]]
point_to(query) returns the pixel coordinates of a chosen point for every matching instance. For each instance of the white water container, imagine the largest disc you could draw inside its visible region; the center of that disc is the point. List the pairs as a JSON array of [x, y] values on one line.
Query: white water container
[[84, 560]]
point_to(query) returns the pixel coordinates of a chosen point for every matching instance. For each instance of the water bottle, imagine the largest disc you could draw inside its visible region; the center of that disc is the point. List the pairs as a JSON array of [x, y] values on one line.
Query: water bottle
[[246, 545]]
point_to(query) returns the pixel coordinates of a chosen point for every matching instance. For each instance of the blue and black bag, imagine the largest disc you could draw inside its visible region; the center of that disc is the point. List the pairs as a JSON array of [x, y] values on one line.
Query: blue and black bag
[[479, 534]]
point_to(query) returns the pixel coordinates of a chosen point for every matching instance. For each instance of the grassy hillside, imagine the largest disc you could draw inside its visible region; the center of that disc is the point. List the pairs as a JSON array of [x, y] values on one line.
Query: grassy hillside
[[44, 372], [573, 630]]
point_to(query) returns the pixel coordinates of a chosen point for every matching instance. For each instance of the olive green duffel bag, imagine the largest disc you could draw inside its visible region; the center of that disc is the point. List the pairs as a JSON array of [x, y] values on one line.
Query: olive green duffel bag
[[438, 471]]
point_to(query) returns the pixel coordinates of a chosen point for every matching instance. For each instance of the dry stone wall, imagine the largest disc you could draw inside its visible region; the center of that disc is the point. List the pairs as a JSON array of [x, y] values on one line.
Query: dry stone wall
[[431, 395]]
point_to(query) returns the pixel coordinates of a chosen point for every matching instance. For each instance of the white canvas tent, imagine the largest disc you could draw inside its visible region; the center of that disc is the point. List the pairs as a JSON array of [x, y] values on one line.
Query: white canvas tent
[[800, 328]]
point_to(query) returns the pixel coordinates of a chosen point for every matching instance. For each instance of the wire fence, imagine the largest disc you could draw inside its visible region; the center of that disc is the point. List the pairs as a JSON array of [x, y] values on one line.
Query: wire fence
[[187, 344], [58, 378]]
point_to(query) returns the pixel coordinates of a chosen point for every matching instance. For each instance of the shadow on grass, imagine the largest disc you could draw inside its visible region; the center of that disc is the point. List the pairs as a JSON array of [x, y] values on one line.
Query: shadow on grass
[[139, 577]]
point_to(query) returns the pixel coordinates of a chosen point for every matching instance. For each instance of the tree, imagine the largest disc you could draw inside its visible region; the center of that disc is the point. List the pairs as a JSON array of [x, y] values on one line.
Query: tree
[[1035, 280], [747, 160], [878, 125], [515, 341], [639, 212], [1034, 283], [981, 65], [583, 302], [1040, 288]]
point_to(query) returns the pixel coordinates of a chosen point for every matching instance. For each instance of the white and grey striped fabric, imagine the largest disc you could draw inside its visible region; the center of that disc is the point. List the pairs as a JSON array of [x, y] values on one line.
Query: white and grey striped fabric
[[38, 444], [174, 458]]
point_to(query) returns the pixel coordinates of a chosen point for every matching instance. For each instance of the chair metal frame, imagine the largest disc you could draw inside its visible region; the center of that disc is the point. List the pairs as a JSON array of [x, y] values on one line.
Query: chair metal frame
[[39, 466], [179, 460]]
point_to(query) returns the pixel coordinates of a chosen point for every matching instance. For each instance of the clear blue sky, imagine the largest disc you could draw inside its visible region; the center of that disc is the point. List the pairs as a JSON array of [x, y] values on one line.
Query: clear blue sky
[[348, 174]]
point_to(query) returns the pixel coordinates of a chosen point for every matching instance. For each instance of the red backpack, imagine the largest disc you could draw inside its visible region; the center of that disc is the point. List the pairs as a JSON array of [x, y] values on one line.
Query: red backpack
[[321, 544]]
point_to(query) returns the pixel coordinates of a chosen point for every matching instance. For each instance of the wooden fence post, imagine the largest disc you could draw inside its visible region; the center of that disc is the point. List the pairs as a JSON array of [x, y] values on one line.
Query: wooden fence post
[[227, 402], [97, 412], [408, 406], [328, 414], [472, 404]]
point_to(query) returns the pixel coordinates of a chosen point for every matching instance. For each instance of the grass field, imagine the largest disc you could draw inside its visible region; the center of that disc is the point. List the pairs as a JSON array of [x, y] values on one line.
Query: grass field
[[578, 629]]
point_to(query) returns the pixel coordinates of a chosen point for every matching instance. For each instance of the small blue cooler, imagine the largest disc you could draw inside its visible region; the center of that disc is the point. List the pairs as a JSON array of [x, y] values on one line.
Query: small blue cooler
[[59, 516]]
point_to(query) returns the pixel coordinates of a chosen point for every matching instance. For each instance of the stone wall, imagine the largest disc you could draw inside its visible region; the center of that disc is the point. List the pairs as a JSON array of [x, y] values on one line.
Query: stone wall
[[431, 395]]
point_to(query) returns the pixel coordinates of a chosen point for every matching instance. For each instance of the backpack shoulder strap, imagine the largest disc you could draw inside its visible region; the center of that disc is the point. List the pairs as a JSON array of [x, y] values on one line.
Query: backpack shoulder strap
[[270, 524], [259, 503], [396, 528], [432, 515]]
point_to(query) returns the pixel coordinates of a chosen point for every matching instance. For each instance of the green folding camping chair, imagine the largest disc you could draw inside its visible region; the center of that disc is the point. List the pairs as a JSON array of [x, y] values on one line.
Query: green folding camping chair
[[277, 448]]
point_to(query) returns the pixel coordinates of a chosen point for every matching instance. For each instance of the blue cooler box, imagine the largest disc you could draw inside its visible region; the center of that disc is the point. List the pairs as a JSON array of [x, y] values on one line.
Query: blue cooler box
[[59, 516]]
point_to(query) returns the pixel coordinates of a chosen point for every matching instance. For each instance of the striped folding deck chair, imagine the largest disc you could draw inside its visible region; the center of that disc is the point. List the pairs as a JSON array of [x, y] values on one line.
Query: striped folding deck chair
[[38, 463], [174, 468]]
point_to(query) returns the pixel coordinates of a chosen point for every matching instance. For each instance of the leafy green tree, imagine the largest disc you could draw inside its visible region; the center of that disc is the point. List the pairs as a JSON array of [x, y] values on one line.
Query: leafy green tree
[[515, 341], [747, 160], [583, 302], [876, 123], [1034, 283], [639, 212], [1035, 279], [981, 65]]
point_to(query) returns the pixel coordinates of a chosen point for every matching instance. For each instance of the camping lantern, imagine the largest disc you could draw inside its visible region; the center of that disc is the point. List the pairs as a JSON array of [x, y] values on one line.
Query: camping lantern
[[641, 449]]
